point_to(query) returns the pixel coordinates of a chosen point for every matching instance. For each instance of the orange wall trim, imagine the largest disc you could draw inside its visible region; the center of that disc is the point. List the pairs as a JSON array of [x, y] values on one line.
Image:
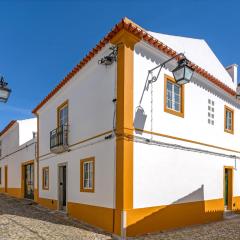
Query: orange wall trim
[[185, 140], [35, 195], [98, 216], [153, 219], [236, 204], [48, 203], [124, 122], [1, 190]]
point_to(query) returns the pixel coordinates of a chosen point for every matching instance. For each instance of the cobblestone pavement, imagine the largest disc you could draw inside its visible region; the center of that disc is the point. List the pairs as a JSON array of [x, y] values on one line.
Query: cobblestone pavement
[[223, 230], [22, 219]]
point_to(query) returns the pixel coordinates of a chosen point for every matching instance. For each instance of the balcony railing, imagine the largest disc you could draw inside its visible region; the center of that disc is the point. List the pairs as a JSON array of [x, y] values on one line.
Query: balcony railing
[[59, 139]]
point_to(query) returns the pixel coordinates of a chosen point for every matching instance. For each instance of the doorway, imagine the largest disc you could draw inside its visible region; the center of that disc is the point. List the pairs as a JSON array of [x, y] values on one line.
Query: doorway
[[62, 187], [228, 188], [6, 179], [29, 181]]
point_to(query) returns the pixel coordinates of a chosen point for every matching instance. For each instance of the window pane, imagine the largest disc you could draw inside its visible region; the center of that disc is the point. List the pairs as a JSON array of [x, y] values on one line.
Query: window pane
[[176, 89], [228, 120], [85, 183], [63, 116], [169, 86], [173, 100], [177, 107], [169, 104], [169, 95]]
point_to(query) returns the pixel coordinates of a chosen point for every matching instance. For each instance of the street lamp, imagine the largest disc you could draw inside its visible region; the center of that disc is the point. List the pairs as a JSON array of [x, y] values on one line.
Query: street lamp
[[4, 90], [182, 73]]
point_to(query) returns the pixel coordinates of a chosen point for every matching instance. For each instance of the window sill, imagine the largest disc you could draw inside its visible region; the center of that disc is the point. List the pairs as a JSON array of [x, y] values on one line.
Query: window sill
[[178, 114]]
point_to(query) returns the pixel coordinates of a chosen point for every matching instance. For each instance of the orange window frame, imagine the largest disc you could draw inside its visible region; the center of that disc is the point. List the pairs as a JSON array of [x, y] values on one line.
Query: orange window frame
[[59, 108], [44, 169], [82, 189], [182, 92], [226, 108]]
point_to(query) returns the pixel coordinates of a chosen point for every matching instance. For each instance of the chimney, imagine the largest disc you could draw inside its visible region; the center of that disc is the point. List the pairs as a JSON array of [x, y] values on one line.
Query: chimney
[[233, 71]]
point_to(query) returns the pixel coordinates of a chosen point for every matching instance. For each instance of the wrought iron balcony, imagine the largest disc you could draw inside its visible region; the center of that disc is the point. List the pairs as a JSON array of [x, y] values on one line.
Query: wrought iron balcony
[[59, 139]]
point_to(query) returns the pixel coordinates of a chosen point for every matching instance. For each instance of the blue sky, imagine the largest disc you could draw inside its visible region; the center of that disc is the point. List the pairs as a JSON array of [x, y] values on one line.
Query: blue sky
[[41, 41]]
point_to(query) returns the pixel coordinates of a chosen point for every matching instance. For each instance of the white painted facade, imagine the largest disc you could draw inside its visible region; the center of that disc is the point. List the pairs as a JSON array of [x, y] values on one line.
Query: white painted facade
[[162, 175], [18, 147], [90, 95]]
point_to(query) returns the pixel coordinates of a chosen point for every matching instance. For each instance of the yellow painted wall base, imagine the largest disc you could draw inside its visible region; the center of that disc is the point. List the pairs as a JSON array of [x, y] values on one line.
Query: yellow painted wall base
[[236, 204], [35, 195], [48, 203], [18, 193], [14, 192], [153, 219], [98, 216]]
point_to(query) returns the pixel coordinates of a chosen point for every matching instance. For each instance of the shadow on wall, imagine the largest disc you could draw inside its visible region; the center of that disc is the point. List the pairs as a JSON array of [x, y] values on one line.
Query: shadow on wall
[[188, 210]]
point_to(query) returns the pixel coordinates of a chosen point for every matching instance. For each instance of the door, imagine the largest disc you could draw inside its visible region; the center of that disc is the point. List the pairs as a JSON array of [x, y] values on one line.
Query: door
[[6, 179], [228, 188], [29, 181], [62, 187]]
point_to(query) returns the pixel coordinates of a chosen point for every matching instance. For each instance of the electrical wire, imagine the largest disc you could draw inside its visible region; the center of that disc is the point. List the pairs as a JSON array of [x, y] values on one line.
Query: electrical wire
[[26, 146]]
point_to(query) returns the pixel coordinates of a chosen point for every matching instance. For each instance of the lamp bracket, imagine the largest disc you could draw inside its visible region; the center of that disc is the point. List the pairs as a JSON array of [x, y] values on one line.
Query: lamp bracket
[[110, 58], [2, 82], [155, 78]]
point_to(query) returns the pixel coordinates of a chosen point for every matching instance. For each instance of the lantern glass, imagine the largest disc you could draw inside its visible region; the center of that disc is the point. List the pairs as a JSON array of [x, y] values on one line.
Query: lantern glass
[[178, 73], [182, 73], [4, 94]]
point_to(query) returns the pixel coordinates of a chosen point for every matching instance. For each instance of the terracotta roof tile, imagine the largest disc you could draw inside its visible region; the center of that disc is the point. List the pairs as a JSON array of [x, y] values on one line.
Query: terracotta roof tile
[[7, 127], [139, 32]]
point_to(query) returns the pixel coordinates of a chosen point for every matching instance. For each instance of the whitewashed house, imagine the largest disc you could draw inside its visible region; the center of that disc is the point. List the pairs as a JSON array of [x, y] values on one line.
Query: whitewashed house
[[18, 172], [130, 167]]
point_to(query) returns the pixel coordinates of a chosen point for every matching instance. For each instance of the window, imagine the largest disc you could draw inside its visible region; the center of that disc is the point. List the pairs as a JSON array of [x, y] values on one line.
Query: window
[[228, 120], [0, 175], [62, 113], [45, 178], [173, 97], [87, 172], [211, 112]]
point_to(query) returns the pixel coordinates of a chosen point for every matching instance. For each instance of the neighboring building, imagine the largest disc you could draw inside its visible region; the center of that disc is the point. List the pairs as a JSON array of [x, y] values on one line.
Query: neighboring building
[[130, 169], [18, 172]]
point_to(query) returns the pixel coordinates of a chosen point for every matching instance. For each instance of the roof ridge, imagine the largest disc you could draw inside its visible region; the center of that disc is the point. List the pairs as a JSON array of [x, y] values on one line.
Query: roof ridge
[[7, 127]]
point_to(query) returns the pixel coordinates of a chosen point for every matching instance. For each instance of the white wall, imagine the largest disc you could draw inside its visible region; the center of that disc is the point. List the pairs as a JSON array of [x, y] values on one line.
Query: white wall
[[104, 174], [89, 93], [194, 125], [26, 129], [10, 140], [165, 175], [14, 162], [18, 146]]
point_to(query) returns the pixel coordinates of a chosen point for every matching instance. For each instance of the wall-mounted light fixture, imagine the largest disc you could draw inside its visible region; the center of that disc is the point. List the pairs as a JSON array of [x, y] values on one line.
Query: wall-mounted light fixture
[[182, 73], [4, 90], [110, 58], [238, 92]]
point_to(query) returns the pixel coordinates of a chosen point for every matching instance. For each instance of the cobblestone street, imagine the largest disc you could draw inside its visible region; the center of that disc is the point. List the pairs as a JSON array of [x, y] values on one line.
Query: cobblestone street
[[19, 220], [22, 220]]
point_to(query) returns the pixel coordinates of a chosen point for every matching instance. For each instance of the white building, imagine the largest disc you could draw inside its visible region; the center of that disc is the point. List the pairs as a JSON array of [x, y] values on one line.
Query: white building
[[129, 168], [18, 172]]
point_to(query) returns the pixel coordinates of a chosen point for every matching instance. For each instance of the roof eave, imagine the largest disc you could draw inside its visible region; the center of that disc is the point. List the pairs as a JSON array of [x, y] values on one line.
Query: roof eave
[[141, 33]]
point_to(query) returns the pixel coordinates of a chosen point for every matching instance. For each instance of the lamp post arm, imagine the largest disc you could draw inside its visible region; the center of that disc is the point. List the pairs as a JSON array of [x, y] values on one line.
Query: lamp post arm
[[154, 79]]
